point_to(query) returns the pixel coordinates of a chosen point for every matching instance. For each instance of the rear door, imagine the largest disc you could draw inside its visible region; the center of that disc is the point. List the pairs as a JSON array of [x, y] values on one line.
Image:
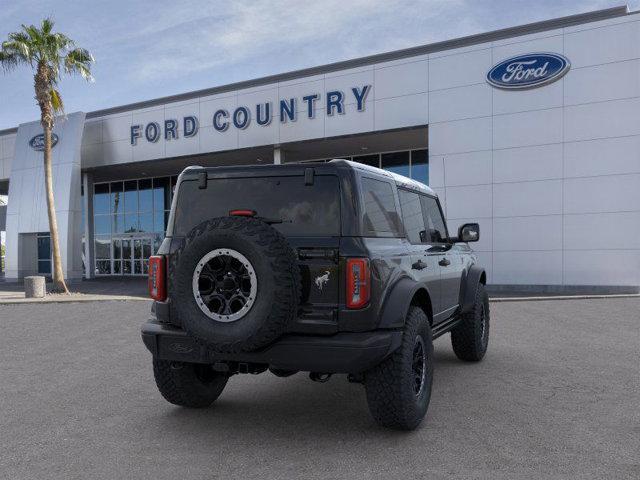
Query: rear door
[[424, 266], [306, 213]]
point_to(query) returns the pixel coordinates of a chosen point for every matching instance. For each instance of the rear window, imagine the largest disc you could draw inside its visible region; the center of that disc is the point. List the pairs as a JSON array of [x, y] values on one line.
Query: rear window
[[412, 216], [380, 213], [305, 210]]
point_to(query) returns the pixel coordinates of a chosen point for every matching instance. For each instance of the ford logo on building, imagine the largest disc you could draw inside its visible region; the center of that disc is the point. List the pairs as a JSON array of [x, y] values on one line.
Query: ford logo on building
[[37, 142], [528, 71]]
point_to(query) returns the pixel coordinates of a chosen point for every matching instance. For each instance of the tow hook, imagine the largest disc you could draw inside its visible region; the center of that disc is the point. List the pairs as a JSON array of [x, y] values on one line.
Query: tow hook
[[319, 377]]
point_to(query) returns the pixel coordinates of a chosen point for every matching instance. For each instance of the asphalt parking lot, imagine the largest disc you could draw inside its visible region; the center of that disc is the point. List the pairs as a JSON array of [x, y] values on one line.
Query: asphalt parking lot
[[557, 396]]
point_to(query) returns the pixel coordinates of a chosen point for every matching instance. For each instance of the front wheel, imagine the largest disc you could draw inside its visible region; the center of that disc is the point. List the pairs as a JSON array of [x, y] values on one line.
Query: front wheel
[[191, 385], [399, 389], [470, 338]]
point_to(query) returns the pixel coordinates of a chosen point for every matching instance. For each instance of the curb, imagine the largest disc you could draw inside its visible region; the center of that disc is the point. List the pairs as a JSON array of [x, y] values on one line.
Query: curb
[[562, 297], [123, 298], [62, 299]]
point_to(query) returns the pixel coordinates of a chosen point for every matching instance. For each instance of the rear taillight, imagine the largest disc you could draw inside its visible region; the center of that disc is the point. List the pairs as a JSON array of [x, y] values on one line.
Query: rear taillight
[[358, 282], [242, 213], [157, 278]]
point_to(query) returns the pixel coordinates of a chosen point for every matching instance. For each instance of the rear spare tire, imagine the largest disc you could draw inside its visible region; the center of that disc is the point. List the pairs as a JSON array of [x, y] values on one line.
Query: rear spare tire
[[236, 283]]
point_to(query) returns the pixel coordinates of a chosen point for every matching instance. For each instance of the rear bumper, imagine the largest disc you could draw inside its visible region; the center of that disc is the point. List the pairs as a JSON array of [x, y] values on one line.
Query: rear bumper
[[339, 353]]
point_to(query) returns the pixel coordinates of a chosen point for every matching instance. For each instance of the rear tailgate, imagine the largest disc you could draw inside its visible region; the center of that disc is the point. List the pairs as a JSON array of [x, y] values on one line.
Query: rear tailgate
[[306, 213]]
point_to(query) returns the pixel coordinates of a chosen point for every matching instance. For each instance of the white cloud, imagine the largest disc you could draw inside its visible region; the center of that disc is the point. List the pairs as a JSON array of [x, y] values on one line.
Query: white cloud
[[147, 49], [245, 30]]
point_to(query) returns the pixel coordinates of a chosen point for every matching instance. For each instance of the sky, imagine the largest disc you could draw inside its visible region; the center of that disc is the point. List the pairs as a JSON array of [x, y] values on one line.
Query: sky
[[149, 49]]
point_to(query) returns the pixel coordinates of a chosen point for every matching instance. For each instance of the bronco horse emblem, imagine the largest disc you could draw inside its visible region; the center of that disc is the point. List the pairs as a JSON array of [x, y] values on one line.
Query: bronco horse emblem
[[322, 280]]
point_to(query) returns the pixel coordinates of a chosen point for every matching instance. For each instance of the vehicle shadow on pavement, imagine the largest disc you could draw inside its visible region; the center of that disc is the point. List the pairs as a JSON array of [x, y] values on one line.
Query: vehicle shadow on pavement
[[289, 406]]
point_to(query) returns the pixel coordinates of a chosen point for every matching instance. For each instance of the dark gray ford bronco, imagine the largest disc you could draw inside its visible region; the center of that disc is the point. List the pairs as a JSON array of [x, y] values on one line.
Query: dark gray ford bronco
[[324, 268]]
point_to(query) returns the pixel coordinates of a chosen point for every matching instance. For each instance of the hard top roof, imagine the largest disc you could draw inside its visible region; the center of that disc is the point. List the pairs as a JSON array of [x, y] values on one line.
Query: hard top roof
[[298, 168]]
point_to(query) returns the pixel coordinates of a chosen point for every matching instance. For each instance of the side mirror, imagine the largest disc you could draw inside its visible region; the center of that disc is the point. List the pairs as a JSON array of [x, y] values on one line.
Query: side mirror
[[469, 232]]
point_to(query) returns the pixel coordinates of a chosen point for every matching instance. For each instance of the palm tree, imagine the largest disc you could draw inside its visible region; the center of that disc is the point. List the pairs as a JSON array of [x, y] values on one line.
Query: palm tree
[[47, 53]]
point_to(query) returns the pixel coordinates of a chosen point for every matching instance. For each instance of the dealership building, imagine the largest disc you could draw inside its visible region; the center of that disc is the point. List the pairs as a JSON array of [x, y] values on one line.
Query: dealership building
[[532, 131]]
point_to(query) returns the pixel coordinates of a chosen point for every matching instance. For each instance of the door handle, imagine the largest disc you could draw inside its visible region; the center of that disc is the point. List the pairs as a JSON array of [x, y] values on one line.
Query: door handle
[[419, 265], [444, 262]]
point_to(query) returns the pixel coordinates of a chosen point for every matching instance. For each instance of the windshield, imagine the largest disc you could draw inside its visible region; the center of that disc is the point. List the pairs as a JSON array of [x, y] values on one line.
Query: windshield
[[305, 210]]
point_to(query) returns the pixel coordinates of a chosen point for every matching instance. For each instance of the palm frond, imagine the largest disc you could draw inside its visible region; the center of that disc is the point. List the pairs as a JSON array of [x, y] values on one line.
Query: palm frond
[[79, 60], [19, 37], [35, 35], [19, 44], [47, 25], [8, 60], [56, 101]]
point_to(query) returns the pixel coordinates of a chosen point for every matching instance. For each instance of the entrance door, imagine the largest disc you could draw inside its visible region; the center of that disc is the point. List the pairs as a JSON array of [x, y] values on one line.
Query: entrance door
[[141, 252], [130, 254]]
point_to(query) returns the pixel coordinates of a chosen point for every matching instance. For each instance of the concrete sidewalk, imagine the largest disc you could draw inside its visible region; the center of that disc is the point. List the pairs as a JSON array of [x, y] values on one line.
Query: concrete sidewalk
[[135, 288], [103, 289]]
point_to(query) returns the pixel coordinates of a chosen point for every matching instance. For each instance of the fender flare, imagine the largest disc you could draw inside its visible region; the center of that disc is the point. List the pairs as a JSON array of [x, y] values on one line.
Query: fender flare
[[474, 276], [397, 302]]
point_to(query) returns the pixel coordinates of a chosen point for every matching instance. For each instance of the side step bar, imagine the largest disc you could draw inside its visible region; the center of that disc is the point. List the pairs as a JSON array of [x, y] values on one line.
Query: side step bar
[[445, 326]]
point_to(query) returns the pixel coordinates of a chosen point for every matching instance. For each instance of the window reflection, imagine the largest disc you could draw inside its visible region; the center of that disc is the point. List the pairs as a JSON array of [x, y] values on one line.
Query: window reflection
[[131, 223], [397, 162], [146, 222], [118, 223], [116, 197], [131, 196], [102, 225], [371, 160], [413, 164], [125, 211], [101, 199], [102, 250], [145, 195], [420, 166], [161, 189]]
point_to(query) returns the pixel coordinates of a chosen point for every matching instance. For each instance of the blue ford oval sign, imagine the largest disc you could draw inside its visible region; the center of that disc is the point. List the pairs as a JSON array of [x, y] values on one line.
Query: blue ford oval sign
[[528, 71], [37, 142]]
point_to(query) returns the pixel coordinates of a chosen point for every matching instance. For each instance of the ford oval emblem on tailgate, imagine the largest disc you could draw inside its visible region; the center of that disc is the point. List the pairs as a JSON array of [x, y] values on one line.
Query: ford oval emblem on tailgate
[[180, 347]]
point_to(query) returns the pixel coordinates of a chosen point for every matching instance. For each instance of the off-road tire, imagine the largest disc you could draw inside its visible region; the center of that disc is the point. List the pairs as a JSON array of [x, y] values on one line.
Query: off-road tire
[[189, 385], [278, 280], [470, 338], [389, 386]]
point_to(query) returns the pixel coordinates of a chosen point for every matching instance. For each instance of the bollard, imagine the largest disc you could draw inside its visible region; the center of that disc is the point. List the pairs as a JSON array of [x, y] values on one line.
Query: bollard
[[34, 287]]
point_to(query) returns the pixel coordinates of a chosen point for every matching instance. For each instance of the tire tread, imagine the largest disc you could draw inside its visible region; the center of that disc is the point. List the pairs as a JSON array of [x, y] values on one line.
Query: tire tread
[[391, 400], [466, 337]]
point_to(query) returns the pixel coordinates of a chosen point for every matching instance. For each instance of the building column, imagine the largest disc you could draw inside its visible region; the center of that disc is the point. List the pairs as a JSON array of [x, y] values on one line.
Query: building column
[[278, 155], [3, 227], [87, 186]]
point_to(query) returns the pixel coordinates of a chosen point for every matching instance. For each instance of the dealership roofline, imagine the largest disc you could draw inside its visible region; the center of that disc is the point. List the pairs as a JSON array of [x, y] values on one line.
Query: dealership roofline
[[501, 34]]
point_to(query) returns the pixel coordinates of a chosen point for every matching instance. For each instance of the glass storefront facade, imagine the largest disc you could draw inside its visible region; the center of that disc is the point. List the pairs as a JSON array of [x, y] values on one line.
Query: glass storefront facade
[[129, 220], [410, 163]]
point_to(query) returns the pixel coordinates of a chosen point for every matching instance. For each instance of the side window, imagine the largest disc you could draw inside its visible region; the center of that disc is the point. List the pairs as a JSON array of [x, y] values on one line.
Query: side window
[[380, 214], [412, 216], [436, 228]]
